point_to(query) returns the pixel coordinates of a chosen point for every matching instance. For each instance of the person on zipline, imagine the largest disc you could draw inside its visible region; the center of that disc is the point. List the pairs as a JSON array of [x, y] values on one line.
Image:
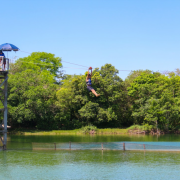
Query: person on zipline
[[88, 83]]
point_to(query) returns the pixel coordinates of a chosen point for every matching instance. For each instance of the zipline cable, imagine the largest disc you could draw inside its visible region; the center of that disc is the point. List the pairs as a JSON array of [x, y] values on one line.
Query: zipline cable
[[63, 61], [64, 66], [87, 66], [51, 65], [162, 72], [75, 64]]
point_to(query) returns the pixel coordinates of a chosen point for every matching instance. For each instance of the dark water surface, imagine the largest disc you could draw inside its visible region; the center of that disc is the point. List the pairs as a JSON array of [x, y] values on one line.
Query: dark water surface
[[95, 138], [17, 164]]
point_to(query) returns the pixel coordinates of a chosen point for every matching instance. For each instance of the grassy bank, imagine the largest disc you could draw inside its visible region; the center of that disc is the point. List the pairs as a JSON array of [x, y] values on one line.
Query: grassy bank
[[68, 132]]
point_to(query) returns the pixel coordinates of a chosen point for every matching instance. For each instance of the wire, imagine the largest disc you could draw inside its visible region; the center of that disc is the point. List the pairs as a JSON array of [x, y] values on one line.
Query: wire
[[38, 63], [50, 65], [63, 66], [74, 64], [63, 61], [74, 68], [25, 52]]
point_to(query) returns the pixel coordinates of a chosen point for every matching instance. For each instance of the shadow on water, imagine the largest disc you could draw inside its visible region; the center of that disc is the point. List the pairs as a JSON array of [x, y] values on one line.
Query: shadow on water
[[93, 138], [25, 142]]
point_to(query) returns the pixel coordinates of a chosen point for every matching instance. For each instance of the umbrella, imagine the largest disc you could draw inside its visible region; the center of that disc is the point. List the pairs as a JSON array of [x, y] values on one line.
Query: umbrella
[[8, 47]]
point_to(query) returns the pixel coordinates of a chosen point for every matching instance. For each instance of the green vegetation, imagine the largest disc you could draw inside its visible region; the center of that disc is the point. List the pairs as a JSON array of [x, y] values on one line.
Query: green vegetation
[[145, 127], [83, 130], [41, 97], [89, 129]]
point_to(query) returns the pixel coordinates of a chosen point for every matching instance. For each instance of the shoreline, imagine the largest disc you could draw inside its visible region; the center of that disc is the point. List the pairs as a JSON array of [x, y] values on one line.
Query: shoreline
[[106, 131], [70, 132]]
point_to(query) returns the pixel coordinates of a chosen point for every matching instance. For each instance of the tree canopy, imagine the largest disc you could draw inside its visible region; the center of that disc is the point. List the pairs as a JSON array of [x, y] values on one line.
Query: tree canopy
[[37, 99], [38, 61]]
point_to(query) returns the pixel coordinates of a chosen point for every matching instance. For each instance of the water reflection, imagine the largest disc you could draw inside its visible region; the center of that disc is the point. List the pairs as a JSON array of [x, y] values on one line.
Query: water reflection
[[89, 164], [95, 138]]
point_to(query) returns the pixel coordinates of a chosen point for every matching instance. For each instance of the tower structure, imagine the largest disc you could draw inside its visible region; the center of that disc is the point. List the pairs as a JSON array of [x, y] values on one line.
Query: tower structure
[[4, 68]]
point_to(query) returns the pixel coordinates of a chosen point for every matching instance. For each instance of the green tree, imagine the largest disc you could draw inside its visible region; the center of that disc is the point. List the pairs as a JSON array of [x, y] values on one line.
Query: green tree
[[38, 61], [31, 99], [70, 98], [80, 107], [155, 100], [32, 91], [133, 75]]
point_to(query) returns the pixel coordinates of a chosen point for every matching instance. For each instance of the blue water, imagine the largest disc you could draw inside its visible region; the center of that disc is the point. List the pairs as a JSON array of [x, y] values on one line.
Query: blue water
[[88, 164]]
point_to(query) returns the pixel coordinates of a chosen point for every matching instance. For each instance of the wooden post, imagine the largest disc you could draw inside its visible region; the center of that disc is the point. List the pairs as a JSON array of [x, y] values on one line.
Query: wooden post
[[102, 146], [124, 146], [69, 144], [55, 146], [144, 146]]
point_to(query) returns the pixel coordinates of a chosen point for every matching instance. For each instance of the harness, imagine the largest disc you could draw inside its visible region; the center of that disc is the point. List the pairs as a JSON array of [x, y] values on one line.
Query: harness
[[88, 83]]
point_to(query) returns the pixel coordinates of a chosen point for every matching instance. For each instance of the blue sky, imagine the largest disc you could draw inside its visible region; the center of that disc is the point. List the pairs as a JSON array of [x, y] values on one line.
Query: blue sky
[[129, 34]]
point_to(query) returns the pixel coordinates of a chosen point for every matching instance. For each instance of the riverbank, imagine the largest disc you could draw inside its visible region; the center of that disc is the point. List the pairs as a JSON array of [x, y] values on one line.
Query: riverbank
[[110, 131], [68, 132]]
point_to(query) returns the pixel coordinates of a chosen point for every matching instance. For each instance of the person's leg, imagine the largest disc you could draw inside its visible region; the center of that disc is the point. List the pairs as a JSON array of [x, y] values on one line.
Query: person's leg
[[94, 92]]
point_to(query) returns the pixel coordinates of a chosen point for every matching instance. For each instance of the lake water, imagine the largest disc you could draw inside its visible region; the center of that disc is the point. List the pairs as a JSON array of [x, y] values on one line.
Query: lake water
[[21, 162]]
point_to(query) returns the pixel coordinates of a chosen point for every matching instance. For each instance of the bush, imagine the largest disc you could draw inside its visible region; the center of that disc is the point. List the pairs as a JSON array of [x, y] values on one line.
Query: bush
[[135, 127], [145, 127], [89, 128]]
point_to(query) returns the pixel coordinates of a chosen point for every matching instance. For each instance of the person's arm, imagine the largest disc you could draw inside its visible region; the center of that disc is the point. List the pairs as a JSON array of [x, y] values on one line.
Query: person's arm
[[87, 75], [90, 69]]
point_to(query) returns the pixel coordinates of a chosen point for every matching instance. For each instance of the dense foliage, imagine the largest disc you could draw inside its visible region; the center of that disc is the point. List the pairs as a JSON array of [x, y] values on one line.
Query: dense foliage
[[41, 97]]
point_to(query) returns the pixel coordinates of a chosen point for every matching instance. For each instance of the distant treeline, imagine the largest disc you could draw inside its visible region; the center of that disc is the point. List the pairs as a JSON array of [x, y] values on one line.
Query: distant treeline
[[42, 97]]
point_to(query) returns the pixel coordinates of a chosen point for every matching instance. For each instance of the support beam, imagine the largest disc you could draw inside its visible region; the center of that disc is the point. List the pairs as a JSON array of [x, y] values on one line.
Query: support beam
[[3, 99], [5, 111]]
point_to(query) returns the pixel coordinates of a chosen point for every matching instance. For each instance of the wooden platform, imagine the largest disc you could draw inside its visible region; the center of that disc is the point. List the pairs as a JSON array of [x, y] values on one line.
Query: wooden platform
[[3, 72]]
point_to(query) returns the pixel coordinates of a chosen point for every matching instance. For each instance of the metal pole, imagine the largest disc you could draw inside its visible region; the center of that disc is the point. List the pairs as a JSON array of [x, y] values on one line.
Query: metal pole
[[5, 111]]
